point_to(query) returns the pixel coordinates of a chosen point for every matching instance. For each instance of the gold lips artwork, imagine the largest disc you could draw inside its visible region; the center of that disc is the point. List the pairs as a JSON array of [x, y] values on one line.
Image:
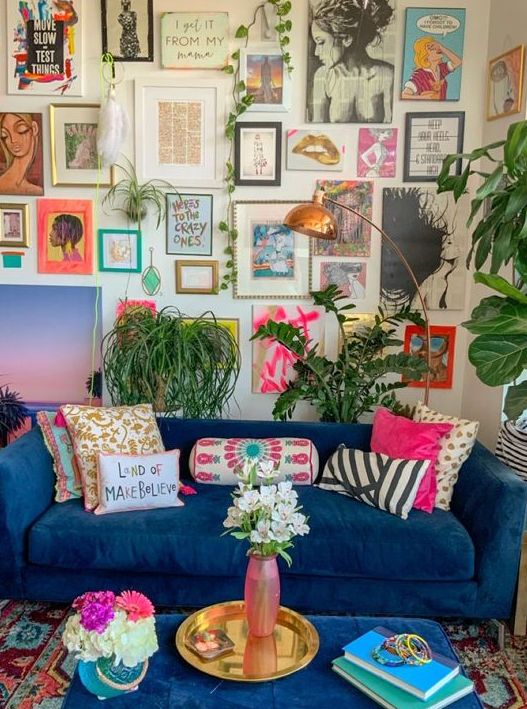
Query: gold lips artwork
[[319, 148]]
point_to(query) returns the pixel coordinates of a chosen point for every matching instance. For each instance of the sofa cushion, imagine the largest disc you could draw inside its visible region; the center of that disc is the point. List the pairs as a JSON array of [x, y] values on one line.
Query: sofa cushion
[[347, 539]]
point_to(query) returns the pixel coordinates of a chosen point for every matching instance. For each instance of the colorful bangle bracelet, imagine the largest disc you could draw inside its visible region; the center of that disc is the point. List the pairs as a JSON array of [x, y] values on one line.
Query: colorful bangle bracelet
[[404, 648]]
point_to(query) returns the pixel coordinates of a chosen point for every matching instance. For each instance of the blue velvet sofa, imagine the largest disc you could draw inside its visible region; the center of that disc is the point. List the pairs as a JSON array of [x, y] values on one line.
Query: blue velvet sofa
[[356, 559]]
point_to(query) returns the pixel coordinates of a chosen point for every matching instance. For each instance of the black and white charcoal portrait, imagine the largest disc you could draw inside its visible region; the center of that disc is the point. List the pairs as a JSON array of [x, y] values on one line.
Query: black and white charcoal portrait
[[127, 29], [432, 237], [351, 52]]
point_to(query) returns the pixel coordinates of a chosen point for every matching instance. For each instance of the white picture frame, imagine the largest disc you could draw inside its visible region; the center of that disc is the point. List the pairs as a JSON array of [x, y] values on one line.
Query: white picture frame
[[266, 78], [163, 150]]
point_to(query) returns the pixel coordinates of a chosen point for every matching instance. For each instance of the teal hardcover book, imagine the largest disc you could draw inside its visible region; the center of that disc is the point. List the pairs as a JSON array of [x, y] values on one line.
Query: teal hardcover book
[[420, 680], [391, 697]]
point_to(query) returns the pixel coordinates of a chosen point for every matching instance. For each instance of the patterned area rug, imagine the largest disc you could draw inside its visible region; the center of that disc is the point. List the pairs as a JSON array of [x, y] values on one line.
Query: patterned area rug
[[35, 670]]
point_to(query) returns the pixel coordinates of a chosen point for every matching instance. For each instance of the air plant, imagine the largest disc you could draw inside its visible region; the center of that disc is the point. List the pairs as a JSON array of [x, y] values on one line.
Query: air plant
[[12, 413]]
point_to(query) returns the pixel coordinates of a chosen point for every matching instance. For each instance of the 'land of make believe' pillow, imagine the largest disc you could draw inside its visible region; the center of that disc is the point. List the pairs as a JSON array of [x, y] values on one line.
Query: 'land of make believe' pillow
[[137, 482], [212, 460], [398, 437], [58, 442], [386, 483], [455, 448], [122, 429]]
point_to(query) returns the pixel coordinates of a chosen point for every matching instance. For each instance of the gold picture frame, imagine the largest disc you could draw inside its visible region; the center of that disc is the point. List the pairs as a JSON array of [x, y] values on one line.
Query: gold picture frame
[[505, 83], [197, 277], [14, 225]]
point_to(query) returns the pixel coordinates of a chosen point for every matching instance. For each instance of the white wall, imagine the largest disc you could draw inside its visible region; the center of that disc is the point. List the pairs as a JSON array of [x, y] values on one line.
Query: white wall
[[295, 185]]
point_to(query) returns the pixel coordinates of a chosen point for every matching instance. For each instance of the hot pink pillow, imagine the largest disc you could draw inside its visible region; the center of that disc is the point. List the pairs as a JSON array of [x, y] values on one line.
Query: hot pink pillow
[[398, 437]]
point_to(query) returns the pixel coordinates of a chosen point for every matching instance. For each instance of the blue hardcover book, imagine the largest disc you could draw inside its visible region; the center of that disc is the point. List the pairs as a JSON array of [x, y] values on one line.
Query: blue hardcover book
[[420, 680]]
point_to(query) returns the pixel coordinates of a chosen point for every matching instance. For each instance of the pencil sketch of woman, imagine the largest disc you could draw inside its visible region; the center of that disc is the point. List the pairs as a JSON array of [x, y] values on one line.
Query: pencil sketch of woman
[[19, 146], [346, 82]]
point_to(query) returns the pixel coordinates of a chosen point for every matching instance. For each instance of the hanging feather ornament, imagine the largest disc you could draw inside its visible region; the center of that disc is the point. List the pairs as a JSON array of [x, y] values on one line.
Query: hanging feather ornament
[[113, 121]]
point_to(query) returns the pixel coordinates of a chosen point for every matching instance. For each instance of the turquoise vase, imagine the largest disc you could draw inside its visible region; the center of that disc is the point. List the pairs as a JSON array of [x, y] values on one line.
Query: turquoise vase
[[105, 679]]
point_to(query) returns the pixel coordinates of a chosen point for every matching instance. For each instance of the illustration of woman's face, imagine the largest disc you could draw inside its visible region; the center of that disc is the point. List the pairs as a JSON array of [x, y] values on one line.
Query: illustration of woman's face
[[17, 135], [327, 49], [54, 236], [434, 52]]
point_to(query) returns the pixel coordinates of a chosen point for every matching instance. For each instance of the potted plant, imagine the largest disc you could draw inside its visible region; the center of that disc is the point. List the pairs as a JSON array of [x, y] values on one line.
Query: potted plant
[[499, 350], [184, 366], [13, 413], [94, 388], [351, 385]]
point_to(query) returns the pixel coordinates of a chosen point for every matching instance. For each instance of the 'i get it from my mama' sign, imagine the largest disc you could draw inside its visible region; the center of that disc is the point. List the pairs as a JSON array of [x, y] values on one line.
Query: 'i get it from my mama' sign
[[198, 40]]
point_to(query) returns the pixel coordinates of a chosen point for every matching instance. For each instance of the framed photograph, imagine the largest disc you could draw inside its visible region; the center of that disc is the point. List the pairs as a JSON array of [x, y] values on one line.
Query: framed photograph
[[179, 129], [14, 225], [316, 150], [505, 84], [194, 40], [443, 344], [266, 78], [127, 29], [44, 48], [433, 54], [189, 224], [271, 260], [74, 158], [119, 250], [197, 277], [21, 159], [429, 138], [258, 154], [65, 236], [377, 155]]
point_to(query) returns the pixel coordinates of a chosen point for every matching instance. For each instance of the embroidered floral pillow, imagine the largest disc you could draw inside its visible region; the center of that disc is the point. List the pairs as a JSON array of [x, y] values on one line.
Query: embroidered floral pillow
[[212, 460]]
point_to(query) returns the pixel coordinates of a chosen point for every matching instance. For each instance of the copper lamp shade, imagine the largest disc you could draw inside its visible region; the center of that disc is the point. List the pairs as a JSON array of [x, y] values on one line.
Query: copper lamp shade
[[313, 219]]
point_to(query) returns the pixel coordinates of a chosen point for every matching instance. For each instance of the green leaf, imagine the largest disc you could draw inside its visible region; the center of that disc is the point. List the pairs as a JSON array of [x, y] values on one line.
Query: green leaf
[[520, 261], [516, 400], [242, 32], [498, 359], [501, 248], [501, 285], [498, 316], [228, 69], [490, 183], [240, 86], [517, 202], [515, 144], [222, 226], [236, 55]]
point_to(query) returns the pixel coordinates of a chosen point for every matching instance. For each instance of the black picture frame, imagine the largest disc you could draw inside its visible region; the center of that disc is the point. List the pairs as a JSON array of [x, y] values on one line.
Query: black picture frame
[[242, 136], [149, 6], [428, 139]]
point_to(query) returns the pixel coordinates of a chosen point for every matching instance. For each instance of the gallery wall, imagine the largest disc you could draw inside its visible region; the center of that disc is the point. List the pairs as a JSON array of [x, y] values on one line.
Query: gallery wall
[[295, 185]]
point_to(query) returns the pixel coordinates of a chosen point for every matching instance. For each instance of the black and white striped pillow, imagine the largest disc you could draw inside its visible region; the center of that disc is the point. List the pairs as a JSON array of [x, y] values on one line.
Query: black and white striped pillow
[[390, 484], [511, 448]]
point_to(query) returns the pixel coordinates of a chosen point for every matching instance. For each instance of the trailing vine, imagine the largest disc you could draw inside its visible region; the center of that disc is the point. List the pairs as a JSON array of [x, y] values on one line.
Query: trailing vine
[[241, 102]]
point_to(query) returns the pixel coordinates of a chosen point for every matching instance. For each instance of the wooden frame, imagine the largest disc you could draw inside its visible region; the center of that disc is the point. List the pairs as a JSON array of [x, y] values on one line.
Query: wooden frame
[[264, 167], [435, 139], [189, 224], [72, 252], [505, 83], [9, 235], [442, 375], [111, 47], [113, 256], [202, 282]]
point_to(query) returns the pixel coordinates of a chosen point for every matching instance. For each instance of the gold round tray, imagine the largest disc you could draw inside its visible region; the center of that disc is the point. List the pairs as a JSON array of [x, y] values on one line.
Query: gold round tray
[[292, 646]]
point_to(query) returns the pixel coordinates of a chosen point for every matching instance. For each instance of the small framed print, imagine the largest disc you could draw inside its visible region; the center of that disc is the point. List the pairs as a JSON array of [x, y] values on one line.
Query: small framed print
[[505, 84], [258, 154], [74, 157], [127, 30], [196, 277], [194, 40], [315, 150], [189, 224], [14, 225], [266, 78], [429, 138], [442, 350], [119, 250], [65, 236]]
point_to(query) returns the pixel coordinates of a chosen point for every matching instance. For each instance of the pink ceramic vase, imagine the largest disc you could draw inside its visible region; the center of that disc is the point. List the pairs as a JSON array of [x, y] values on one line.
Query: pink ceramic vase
[[262, 594]]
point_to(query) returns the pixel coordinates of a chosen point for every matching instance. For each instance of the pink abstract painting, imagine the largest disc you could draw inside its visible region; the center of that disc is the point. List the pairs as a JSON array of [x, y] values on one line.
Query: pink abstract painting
[[377, 152]]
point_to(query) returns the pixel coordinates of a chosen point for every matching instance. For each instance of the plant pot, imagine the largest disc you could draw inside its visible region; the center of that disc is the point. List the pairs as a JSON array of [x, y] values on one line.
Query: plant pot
[[105, 679], [262, 594]]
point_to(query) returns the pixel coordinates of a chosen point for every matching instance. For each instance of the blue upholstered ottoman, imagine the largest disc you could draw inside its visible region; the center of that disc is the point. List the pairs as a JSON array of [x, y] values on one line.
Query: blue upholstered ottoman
[[171, 682]]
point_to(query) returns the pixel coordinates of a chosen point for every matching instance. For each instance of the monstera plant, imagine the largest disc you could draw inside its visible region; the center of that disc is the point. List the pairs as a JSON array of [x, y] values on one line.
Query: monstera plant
[[499, 350]]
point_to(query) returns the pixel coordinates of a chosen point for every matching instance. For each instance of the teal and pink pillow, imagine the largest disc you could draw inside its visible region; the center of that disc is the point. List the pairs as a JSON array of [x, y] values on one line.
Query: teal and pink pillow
[[399, 437], [213, 460], [58, 442]]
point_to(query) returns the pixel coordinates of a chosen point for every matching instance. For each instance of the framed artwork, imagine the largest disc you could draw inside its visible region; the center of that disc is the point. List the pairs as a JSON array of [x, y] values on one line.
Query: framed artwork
[[505, 84], [197, 277], [272, 363], [14, 225], [429, 138], [21, 159], [189, 224], [119, 250], [44, 48], [74, 157], [354, 323], [271, 260], [194, 40], [230, 324], [179, 131], [429, 228], [266, 78], [354, 234], [315, 150], [127, 30], [258, 154], [433, 54], [65, 236], [341, 58], [349, 276], [442, 351], [377, 155]]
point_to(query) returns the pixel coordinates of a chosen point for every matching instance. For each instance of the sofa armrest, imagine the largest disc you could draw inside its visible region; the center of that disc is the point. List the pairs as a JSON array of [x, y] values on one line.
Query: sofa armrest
[[490, 500], [26, 490]]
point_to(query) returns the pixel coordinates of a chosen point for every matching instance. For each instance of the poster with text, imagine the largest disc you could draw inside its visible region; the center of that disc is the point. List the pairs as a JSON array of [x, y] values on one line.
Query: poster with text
[[194, 40], [189, 224]]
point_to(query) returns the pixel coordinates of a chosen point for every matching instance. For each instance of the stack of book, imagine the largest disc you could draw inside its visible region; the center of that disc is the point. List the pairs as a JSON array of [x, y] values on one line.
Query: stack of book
[[431, 686]]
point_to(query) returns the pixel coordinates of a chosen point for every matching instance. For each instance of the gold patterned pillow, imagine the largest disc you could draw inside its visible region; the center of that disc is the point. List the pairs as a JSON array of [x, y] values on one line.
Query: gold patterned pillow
[[123, 429], [455, 449]]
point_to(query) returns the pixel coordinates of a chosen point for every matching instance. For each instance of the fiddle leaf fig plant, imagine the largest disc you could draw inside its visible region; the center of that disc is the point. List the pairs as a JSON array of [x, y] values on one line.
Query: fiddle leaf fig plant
[[499, 350]]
